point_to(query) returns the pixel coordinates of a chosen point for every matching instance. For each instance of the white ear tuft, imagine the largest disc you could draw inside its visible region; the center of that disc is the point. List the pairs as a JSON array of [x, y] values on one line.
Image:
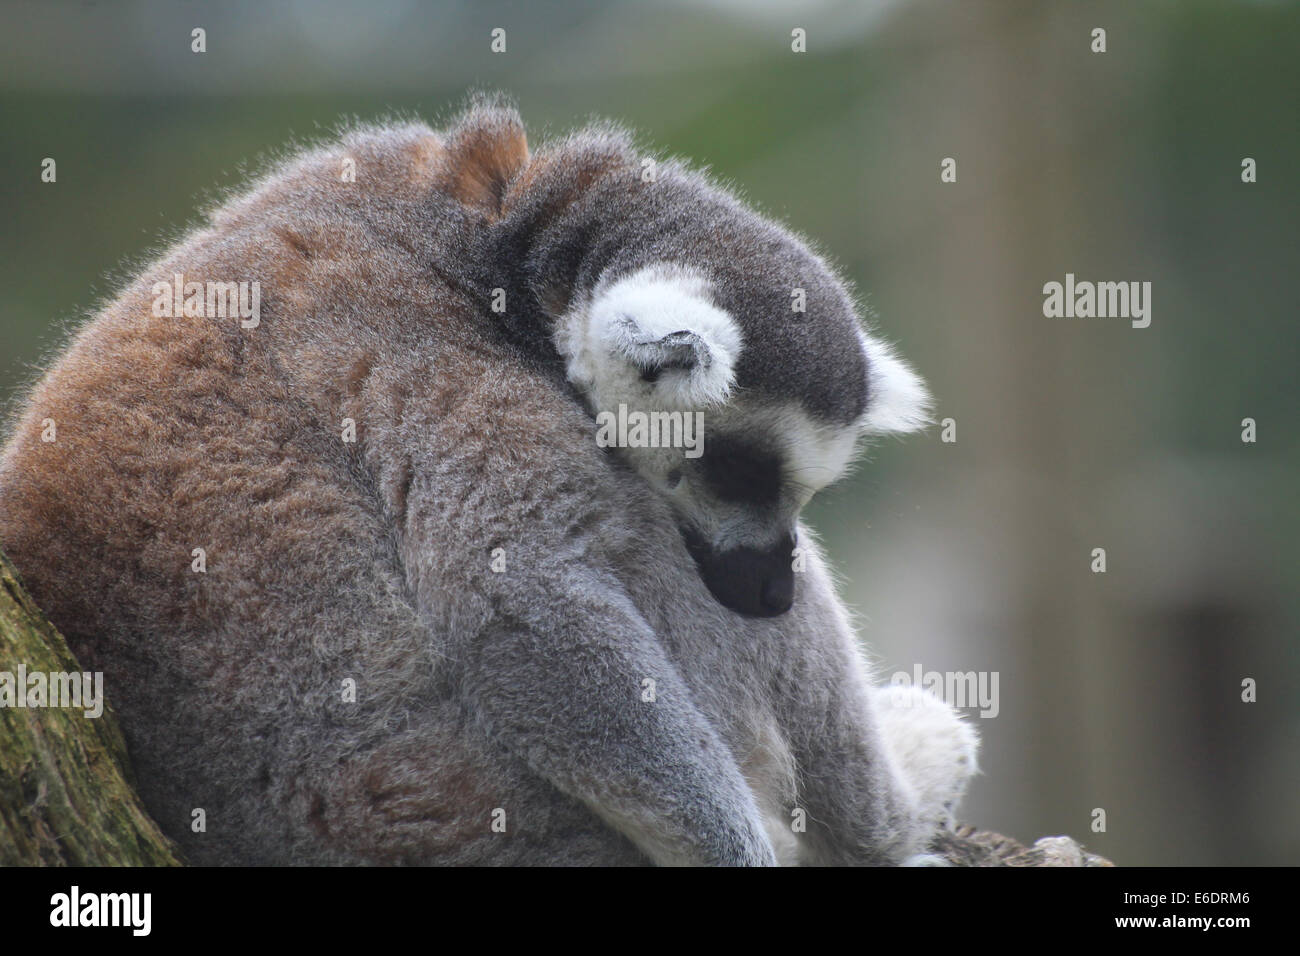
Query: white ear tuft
[[897, 399], [659, 325]]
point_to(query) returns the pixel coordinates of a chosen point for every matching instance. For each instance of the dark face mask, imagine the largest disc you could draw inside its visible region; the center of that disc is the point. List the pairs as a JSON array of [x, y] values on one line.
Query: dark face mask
[[746, 580]]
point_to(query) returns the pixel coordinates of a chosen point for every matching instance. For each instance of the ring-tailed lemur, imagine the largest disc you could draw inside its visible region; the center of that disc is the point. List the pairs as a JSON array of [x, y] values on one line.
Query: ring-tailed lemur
[[366, 587]]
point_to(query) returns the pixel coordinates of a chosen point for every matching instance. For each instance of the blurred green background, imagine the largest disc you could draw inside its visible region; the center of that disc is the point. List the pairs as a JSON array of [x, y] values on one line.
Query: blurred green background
[[1118, 691]]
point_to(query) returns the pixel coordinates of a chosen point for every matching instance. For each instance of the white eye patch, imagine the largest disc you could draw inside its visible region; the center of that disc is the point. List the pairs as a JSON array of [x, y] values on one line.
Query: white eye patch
[[814, 454]]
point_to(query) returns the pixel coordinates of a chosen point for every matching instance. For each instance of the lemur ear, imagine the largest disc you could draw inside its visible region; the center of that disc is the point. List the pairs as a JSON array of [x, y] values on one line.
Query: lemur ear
[[484, 152], [897, 399], [663, 328], [653, 354]]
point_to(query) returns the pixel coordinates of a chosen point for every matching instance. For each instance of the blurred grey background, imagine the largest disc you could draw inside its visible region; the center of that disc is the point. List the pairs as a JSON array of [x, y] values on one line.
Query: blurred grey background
[[1119, 691]]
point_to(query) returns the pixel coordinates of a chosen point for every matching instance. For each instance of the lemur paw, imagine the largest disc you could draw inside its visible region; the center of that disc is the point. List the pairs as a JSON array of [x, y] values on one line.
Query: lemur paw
[[934, 748]]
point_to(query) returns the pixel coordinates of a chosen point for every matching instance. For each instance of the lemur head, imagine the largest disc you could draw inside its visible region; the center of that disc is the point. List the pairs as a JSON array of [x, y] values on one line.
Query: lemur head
[[723, 357], [759, 406]]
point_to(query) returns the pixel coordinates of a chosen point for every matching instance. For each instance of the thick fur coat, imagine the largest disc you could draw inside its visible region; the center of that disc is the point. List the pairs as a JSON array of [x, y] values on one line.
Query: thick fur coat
[[541, 675]]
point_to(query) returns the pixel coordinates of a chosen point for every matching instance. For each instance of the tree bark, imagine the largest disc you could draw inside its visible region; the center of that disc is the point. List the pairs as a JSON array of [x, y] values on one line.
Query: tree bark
[[67, 795], [966, 846]]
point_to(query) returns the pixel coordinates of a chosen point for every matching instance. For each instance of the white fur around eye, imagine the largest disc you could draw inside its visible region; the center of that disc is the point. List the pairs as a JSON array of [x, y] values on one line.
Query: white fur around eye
[[608, 343]]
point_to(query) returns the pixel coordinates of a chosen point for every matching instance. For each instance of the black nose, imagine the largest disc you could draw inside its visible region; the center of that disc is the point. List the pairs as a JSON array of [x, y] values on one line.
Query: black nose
[[778, 593], [751, 581]]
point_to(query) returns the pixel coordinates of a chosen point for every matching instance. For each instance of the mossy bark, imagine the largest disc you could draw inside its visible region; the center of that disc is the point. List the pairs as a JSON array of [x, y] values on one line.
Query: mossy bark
[[966, 846], [66, 794]]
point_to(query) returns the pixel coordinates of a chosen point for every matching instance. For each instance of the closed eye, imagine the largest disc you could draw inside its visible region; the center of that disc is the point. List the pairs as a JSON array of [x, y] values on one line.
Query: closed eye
[[737, 471], [802, 484], [811, 479], [817, 456]]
